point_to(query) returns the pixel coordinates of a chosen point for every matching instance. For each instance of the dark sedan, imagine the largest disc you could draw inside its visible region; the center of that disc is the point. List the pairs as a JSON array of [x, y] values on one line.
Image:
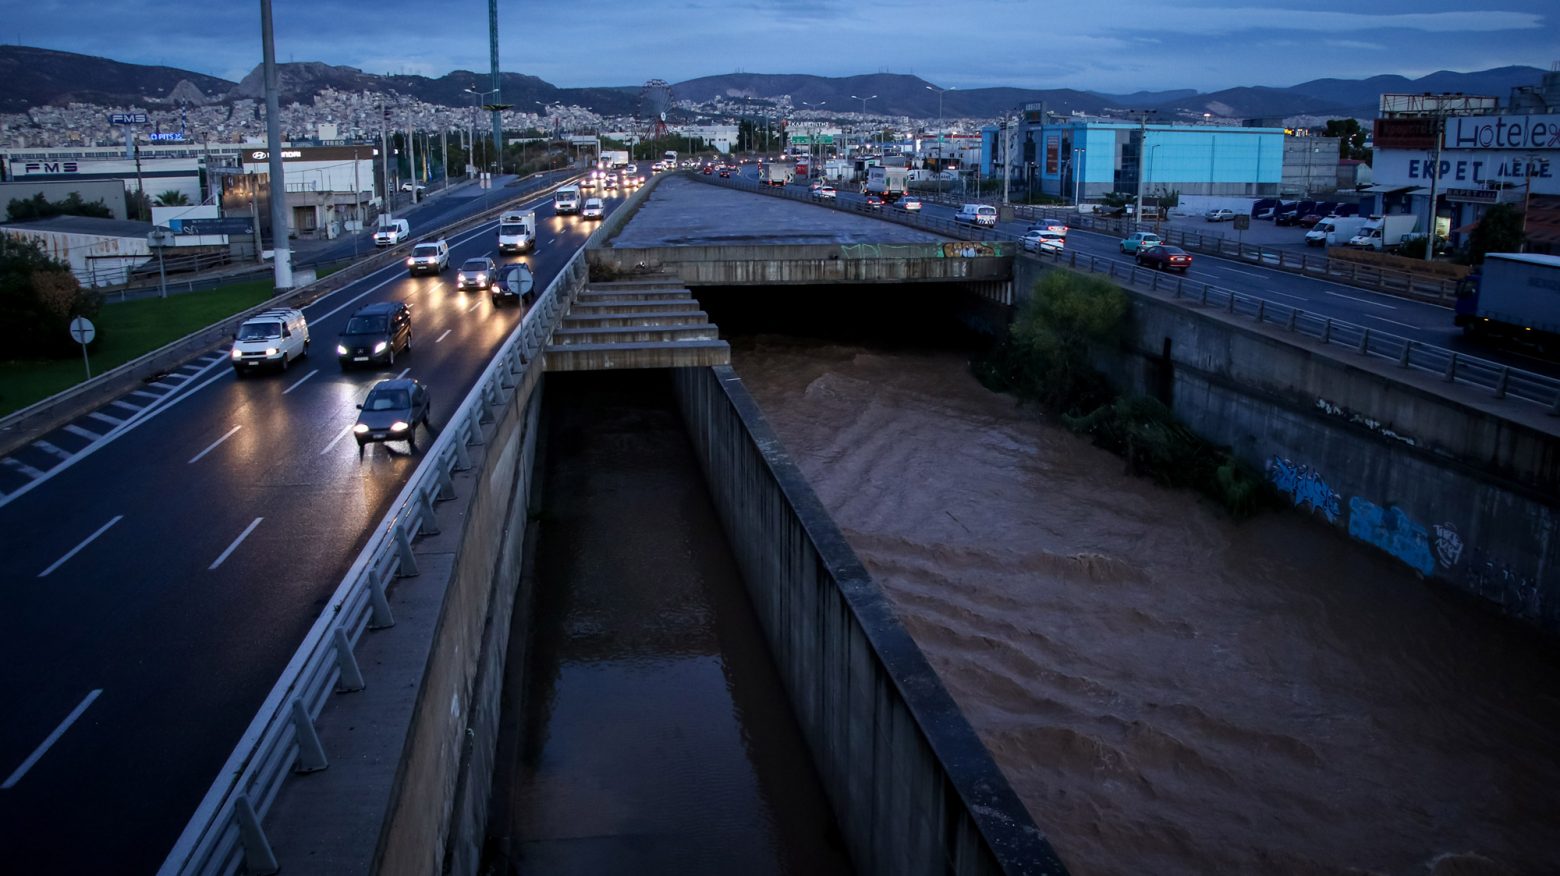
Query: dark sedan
[[1165, 257], [516, 284], [392, 412], [374, 334]]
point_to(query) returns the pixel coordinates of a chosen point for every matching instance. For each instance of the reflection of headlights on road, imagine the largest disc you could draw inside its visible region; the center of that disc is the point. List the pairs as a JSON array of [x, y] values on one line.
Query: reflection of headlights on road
[[237, 354], [398, 426], [360, 428], [341, 349], [380, 347]]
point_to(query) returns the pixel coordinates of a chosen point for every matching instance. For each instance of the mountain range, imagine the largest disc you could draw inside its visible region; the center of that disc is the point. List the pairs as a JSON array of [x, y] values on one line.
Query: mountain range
[[37, 77]]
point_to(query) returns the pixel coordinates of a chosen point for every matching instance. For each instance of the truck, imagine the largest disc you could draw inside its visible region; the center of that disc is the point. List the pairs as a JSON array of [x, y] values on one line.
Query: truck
[[887, 183], [1384, 232], [779, 173], [517, 231], [613, 158], [1513, 297], [1334, 231]]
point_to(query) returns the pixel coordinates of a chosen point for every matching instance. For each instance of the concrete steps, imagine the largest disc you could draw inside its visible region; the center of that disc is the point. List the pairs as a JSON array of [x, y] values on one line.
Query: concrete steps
[[641, 323]]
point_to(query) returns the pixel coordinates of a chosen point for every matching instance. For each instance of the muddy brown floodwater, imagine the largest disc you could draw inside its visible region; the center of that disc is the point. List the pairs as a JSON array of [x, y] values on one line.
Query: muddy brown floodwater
[[1171, 692]]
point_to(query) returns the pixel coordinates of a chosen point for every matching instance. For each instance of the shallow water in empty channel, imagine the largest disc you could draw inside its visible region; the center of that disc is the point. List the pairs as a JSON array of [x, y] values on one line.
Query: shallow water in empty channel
[[1168, 691]]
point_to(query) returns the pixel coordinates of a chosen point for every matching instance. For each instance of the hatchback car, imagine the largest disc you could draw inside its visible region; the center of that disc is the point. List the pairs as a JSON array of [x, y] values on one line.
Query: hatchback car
[[910, 204], [477, 273], [1222, 214], [374, 334], [1139, 240], [593, 209], [1050, 225], [874, 202], [1165, 258], [392, 412], [1041, 240], [826, 192]]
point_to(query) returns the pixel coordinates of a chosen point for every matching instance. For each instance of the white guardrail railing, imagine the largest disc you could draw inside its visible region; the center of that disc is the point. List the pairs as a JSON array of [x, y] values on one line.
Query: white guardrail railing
[[1501, 381], [225, 835]]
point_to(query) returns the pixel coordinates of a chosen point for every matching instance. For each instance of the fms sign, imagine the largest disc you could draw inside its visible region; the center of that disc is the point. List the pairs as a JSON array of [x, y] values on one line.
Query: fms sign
[[1502, 132], [32, 168]]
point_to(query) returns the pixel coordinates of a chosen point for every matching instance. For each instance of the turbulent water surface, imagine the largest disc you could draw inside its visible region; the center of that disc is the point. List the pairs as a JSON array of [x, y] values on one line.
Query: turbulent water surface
[[1168, 691]]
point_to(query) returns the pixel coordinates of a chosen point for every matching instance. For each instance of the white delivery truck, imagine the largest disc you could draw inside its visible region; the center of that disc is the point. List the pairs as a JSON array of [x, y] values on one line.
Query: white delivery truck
[[517, 231], [1334, 231], [1384, 232]]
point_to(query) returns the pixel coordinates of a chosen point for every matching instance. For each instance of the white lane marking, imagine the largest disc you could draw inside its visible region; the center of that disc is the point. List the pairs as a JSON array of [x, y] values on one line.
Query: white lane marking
[[299, 382], [1393, 321], [51, 449], [402, 374], [214, 445], [49, 742], [144, 394], [112, 421], [22, 467], [74, 429], [168, 386], [236, 542], [443, 336], [354, 299], [134, 409], [1360, 300], [77, 549], [474, 307], [337, 440]]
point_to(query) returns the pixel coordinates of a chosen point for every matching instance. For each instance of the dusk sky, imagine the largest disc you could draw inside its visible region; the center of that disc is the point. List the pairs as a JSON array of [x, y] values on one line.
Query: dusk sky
[[1104, 45]]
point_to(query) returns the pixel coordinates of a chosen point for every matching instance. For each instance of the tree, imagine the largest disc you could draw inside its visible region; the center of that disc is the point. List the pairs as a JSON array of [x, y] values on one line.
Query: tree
[[173, 198], [1351, 138], [40, 207], [38, 298], [1499, 230]]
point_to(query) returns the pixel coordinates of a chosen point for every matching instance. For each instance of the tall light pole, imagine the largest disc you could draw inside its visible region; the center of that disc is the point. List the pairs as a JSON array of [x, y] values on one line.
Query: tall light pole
[[863, 111], [281, 253], [1142, 140], [476, 104], [1151, 156], [940, 93], [813, 143], [1078, 155]]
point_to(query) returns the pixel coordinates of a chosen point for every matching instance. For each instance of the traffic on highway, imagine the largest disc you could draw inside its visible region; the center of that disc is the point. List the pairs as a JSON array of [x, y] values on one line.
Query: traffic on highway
[[167, 553]]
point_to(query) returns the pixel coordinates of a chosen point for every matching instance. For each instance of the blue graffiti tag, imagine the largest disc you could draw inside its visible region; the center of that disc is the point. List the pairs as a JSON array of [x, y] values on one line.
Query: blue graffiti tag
[[1392, 531], [1304, 485]]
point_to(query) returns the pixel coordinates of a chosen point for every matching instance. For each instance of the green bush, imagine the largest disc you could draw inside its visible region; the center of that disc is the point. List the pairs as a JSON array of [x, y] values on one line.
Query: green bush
[[38, 298]]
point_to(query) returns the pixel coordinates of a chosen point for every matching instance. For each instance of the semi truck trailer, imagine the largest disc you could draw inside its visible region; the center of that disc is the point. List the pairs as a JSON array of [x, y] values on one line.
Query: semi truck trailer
[[1513, 298]]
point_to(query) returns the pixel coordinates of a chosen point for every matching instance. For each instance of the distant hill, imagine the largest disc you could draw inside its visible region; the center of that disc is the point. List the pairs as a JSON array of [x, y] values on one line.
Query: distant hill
[[39, 77]]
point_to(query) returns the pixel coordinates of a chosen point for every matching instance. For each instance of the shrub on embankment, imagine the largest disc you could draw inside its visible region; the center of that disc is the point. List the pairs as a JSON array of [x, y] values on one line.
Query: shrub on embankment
[[1045, 359]]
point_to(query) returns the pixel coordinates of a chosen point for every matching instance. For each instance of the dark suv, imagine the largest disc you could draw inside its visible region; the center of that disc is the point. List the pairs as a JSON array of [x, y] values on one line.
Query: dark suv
[[375, 333]]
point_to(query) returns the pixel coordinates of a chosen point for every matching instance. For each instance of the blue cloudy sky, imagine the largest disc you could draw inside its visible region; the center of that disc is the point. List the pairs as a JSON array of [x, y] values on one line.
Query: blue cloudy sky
[[1099, 45]]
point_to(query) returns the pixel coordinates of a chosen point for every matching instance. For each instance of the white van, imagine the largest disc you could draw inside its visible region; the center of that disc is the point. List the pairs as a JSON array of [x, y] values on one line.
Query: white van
[[567, 200], [270, 339], [391, 231], [1334, 231], [977, 214]]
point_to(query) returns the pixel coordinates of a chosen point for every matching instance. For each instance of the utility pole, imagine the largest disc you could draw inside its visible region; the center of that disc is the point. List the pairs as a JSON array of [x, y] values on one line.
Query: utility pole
[[411, 157], [357, 202], [1435, 176], [444, 140], [281, 254], [141, 201], [384, 156], [1142, 149], [498, 119]]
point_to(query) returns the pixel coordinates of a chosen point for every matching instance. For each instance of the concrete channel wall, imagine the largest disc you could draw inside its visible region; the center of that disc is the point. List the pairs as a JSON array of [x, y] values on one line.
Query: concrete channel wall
[[811, 264], [912, 787], [1451, 483]]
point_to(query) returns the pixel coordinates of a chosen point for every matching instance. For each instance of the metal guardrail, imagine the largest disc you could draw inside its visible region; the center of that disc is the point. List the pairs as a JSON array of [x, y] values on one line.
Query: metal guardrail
[[225, 834], [1501, 381]]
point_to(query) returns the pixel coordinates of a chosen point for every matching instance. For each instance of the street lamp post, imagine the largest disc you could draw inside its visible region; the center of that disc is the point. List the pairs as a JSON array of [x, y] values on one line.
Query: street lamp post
[[1078, 155], [476, 104], [863, 112], [812, 145], [940, 93], [1159, 207]]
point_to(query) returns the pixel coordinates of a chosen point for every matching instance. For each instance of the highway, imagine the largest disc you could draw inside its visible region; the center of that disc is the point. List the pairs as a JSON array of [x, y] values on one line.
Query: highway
[[162, 567], [1420, 321]]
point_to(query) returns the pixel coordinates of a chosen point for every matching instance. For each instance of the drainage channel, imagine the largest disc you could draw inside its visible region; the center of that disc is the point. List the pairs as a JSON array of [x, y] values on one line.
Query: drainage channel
[[650, 733]]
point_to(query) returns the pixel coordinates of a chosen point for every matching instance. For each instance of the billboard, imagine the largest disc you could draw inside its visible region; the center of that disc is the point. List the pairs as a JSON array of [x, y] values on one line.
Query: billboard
[[1053, 151], [1502, 132]]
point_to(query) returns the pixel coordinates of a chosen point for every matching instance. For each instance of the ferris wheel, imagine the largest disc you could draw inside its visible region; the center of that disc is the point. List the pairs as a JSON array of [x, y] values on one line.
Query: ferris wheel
[[655, 101]]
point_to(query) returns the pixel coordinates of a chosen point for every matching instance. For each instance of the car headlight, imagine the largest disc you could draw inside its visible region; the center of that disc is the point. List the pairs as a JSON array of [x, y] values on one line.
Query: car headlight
[[380, 347], [270, 352], [410, 262], [479, 278], [398, 426], [237, 354], [341, 349], [360, 428]]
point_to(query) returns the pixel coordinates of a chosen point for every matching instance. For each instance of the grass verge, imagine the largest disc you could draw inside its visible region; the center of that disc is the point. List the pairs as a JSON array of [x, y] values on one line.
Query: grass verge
[[125, 332]]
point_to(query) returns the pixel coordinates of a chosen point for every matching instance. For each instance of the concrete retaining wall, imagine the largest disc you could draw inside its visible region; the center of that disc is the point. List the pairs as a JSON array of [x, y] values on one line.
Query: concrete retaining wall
[[808, 264], [912, 787], [1458, 486]]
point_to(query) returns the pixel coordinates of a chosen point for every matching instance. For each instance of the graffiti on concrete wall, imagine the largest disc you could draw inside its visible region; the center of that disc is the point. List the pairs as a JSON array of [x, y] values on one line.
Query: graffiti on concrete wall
[[1393, 531], [1360, 419], [1496, 580], [1304, 485], [1448, 545]]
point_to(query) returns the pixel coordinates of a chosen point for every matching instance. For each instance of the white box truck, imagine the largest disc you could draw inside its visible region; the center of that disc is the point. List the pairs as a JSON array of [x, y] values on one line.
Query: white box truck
[[1383, 233], [1334, 231], [517, 231], [567, 200]]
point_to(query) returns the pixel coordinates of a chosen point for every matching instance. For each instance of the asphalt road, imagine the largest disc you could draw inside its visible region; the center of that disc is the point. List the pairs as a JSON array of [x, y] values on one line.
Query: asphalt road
[[156, 582]]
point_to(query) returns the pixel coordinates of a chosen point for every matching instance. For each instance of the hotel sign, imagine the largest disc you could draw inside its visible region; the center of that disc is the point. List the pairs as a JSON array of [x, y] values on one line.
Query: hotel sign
[[1502, 132]]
